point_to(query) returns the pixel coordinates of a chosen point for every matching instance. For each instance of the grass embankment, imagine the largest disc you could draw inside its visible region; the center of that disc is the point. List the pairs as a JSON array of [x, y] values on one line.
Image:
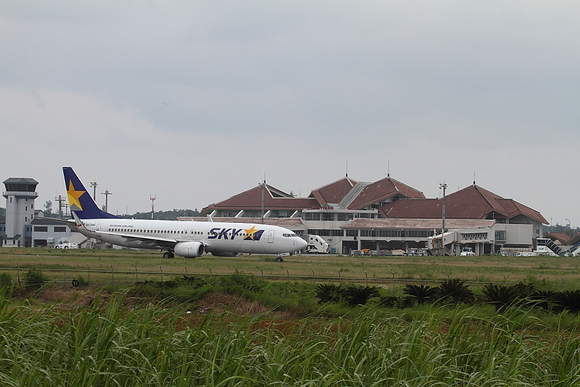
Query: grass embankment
[[241, 330], [114, 343]]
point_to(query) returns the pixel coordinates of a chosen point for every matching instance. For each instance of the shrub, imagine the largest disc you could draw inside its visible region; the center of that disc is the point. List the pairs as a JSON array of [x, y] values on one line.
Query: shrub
[[195, 282], [456, 291], [5, 280], [422, 293], [328, 293], [568, 300], [82, 281], [6, 285], [542, 299], [34, 278], [240, 283], [500, 296], [352, 295], [524, 290], [359, 295]]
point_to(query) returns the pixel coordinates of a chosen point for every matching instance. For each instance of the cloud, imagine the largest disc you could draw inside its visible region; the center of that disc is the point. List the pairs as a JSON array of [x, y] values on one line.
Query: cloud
[[196, 100]]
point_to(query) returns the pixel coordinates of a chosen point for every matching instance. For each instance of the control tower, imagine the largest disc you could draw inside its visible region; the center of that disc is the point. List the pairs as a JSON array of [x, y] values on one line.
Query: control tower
[[20, 195]]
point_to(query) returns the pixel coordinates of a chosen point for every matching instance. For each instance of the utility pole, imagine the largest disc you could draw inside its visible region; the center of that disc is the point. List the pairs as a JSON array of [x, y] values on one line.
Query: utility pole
[[94, 185], [106, 193], [443, 186], [263, 186], [60, 200], [152, 198]]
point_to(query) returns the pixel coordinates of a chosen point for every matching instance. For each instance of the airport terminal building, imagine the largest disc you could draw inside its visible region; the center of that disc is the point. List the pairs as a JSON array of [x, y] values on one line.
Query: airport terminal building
[[349, 216], [389, 215]]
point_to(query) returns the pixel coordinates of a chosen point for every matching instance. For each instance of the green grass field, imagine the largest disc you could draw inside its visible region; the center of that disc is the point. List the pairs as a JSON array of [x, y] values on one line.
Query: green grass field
[[129, 265]]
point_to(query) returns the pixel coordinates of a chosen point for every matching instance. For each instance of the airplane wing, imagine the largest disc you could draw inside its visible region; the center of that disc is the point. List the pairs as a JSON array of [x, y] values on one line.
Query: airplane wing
[[143, 240]]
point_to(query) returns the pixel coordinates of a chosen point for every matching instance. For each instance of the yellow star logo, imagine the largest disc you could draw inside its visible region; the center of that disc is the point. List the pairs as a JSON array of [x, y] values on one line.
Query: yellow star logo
[[73, 196], [250, 232]]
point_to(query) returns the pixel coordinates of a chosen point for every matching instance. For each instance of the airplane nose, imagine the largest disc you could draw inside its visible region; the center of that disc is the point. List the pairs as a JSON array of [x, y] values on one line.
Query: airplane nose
[[302, 244]]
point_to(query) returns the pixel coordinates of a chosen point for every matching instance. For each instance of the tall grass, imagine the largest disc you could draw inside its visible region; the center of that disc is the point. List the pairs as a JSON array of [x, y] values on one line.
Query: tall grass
[[114, 344]]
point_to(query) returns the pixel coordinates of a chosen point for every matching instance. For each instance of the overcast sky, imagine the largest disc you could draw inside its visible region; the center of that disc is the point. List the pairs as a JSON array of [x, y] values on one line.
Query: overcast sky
[[195, 101]]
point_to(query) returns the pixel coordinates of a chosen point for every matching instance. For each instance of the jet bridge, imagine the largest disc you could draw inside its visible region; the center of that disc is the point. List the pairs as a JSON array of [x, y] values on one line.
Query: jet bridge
[[575, 250], [546, 246]]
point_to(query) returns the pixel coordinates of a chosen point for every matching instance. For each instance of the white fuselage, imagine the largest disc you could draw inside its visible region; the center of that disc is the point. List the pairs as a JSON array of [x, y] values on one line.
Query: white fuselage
[[216, 237]]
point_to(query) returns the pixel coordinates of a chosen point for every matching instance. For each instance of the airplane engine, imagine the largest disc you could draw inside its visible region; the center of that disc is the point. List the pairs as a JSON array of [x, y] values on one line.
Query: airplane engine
[[189, 249]]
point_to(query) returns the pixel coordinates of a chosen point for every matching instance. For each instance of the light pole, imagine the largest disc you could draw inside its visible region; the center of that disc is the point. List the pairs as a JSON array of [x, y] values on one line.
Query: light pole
[[263, 186], [152, 198], [444, 187], [60, 200], [94, 185], [106, 193]]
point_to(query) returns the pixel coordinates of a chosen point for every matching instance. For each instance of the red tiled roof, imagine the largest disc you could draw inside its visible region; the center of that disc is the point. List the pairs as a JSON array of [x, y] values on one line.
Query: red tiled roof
[[333, 193], [514, 208], [282, 222], [413, 208], [426, 224], [273, 200], [559, 236], [472, 202], [382, 190]]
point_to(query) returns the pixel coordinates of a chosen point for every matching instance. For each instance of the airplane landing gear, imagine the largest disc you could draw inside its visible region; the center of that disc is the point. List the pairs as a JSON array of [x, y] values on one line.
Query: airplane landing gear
[[168, 255], [279, 259]]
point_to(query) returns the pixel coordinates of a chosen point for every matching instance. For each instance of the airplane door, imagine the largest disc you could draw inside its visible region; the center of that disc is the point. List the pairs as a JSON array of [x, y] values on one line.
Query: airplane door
[[271, 236]]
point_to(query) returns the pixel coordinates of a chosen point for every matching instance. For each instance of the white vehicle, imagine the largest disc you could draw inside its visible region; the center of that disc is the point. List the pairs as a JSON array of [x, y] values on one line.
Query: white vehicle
[[188, 239], [527, 254], [467, 252], [66, 245]]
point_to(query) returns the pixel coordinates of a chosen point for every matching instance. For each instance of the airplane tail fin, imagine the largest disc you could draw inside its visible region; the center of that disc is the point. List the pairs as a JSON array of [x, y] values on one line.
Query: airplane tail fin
[[79, 200]]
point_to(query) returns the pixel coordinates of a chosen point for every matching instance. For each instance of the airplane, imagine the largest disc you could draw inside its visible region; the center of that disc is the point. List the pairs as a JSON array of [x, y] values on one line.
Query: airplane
[[188, 239]]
